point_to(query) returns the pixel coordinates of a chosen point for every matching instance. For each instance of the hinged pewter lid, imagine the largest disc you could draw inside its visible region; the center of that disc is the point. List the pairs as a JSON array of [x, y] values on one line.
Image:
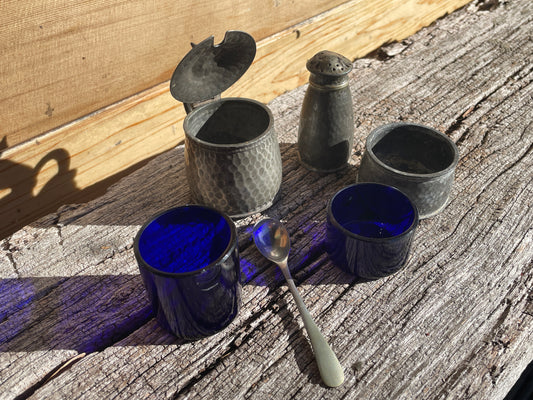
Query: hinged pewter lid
[[208, 69]]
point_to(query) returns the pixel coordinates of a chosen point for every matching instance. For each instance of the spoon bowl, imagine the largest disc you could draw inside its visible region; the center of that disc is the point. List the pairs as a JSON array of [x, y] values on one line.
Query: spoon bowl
[[273, 242]]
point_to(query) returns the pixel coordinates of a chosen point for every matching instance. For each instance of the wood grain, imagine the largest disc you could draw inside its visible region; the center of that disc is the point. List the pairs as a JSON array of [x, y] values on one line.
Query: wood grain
[[457, 322], [103, 144], [62, 60]]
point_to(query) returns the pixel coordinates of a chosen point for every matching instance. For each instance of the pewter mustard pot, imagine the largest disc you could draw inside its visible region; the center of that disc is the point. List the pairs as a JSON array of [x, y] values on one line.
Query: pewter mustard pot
[[325, 134], [232, 155]]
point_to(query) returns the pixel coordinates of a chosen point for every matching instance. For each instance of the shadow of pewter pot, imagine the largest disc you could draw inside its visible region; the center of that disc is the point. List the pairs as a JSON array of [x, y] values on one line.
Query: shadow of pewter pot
[[232, 155], [418, 160]]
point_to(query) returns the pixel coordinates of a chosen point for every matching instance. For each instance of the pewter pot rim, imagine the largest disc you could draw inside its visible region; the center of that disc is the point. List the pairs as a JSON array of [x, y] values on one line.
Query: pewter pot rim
[[378, 133], [246, 145]]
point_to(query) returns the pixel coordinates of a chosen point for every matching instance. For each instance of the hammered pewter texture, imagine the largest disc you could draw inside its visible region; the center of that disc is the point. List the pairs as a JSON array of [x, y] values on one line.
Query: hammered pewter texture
[[325, 133], [232, 156], [418, 160]]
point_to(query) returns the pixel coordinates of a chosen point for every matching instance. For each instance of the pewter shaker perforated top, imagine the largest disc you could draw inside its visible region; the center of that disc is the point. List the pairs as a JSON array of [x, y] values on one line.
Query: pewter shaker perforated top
[[327, 68]]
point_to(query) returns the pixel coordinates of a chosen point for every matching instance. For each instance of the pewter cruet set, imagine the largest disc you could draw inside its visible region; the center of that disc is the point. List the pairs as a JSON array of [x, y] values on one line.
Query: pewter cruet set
[[232, 155], [233, 167]]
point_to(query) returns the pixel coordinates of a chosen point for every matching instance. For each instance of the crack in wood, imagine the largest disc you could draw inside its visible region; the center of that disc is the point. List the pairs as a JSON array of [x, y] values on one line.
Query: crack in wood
[[363, 301], [471, 109], [301, 272], [463, 367], [406, 314], [511, 196], [489, 5], [23, 303], [140, 375], [54, 373], [466, 365], [268, 371], [6, 245], [229, 349], [505, 171], [492, 335], [79, 212], [458, 122]]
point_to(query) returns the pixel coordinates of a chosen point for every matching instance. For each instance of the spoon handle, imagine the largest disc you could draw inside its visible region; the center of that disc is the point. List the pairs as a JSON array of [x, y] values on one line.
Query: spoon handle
[[330, 369]]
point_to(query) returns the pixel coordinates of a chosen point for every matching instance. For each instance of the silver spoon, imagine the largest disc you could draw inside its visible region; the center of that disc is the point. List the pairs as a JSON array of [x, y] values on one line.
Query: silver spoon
[[272, 240]]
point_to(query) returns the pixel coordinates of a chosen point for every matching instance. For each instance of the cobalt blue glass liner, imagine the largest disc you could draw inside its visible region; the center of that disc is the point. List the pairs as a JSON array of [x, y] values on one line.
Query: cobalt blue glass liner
[[189, 262], [369, 229]]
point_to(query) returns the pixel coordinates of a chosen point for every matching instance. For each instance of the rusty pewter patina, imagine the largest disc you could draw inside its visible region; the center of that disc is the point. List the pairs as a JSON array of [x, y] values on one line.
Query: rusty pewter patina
[[418, 160], [325, 135], [232, 155]]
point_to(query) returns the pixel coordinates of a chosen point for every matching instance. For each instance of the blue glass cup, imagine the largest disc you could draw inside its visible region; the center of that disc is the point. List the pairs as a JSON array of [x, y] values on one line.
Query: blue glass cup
[[189, 262], [369, 229]]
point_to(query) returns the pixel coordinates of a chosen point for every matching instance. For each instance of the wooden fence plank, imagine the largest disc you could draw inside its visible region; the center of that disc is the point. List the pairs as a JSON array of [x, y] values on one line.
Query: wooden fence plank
[[61, 60]]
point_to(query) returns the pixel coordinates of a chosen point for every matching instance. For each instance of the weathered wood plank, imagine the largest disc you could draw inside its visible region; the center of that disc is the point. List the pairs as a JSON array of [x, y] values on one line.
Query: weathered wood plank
[[51, 169], [62, 60], [456, 322]]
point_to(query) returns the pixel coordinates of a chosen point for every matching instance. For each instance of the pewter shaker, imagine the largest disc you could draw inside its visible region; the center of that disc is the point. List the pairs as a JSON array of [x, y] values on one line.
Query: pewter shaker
[[325, 135]]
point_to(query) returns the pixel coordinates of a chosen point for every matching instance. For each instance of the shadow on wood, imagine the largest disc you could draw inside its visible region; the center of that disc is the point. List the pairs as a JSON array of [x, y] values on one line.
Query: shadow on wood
[[83, 313], [22, 198], [18, 183], [88, 313]]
